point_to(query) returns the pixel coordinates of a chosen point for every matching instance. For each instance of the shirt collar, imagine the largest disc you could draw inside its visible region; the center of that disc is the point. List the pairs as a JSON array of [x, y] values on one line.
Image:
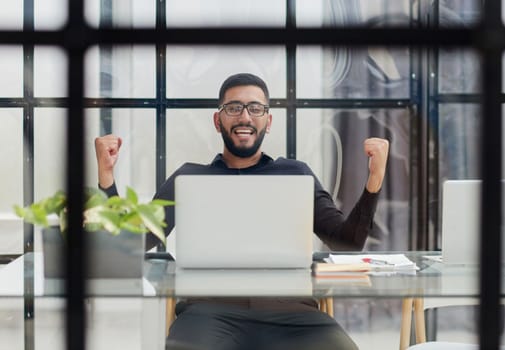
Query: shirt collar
[[219, 161]]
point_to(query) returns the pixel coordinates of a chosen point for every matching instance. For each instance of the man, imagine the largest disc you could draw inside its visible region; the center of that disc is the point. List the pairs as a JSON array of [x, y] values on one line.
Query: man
[[243, 119]]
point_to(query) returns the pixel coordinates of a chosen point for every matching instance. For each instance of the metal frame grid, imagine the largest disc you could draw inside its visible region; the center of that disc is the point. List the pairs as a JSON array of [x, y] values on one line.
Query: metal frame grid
[[76, 36]]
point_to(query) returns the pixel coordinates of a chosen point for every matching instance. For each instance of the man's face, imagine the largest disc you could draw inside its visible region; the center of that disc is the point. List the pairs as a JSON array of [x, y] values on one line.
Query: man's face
[[244, 133]]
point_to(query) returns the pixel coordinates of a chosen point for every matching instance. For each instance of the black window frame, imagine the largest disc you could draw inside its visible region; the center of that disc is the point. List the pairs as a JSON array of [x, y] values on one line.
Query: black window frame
[[76, 36]]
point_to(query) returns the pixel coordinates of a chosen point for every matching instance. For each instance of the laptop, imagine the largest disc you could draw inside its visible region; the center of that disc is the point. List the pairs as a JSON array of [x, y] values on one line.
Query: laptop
[[244, 221], [461, 221]]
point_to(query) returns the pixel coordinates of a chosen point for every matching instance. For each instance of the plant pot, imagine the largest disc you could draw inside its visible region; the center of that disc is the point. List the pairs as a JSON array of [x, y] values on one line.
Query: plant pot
[[109, 256]]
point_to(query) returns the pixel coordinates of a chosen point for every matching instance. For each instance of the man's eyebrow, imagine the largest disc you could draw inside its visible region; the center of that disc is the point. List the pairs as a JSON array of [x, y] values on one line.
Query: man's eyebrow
[[237, 101]]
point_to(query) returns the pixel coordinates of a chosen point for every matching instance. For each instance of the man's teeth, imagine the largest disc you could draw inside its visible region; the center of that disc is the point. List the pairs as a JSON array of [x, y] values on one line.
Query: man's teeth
[[243, 132]]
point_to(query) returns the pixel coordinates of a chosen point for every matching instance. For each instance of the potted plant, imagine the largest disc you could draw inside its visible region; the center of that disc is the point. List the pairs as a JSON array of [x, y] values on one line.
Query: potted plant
[[116, 228]]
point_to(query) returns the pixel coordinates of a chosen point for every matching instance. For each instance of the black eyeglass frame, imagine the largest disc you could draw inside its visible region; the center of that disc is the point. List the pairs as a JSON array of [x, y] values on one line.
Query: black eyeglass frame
[[244, 106]]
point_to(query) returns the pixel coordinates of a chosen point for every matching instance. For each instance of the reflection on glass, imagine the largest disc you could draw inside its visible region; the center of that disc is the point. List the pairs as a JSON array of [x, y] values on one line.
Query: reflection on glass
[[50, 72], [120, 71], [398, 13], [198, 72], [205, 142], [331, 142], [459, 141], [458, 13], [459, 71], [344, 72]]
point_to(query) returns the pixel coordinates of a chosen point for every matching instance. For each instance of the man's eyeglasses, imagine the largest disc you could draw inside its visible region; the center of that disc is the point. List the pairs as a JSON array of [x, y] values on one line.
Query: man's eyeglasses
[[234, 109]]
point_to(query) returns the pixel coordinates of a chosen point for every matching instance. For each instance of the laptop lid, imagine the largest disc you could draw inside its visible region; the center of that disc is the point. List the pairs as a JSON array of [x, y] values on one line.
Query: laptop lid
[[461, 221], [244, 221]]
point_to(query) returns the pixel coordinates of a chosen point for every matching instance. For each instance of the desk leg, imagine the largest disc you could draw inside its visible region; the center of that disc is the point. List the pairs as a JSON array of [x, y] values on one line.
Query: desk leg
[[420, 326], [406, 323]]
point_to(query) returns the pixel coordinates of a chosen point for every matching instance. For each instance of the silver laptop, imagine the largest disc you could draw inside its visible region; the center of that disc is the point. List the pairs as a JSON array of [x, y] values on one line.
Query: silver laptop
[[461, 221], [244, 221]]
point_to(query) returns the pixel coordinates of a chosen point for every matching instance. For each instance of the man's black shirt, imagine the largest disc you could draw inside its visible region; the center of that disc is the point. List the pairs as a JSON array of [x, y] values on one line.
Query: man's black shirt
[[330, 224]]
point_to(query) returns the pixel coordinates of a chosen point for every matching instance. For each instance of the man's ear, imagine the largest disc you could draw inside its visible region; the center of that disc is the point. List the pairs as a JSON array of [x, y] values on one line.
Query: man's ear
[[269, 123], [217, 122]]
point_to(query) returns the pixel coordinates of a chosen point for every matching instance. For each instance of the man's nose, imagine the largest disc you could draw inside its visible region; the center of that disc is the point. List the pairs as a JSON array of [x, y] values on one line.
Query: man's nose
[[245, 115]]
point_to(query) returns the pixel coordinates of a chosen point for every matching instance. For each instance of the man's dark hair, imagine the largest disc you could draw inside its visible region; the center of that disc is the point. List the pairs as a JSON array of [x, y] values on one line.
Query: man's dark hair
[[242, 79]]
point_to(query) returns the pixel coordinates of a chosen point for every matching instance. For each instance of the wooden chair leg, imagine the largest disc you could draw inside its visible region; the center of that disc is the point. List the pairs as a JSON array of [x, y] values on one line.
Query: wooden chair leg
[[170, 314], [322, 305], [406, 323], [329, 306]]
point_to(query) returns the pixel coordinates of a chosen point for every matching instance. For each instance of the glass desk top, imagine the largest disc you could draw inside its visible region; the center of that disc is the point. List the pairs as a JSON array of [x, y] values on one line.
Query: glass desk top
[[163, 279]]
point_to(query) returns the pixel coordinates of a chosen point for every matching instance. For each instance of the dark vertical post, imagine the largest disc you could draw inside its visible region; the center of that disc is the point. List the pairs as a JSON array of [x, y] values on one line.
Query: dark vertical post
[[291, 83], [490, 232], [28, 176], [490, 251], [161, 99], [431, 144], [75, 253], [105, 67]]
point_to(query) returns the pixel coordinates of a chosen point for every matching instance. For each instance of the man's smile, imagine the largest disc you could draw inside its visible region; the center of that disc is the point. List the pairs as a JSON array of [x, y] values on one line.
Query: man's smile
[[243, 132]]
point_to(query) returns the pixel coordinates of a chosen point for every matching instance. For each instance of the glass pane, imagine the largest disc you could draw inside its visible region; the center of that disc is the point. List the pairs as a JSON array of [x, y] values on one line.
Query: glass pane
[[120, 71], [459, 13], [11, 71], [345, 72], [121, 13], [50, 72], [331, 142], [11, 191], [11, 16], [137, 158], [50, 146], [50, 14], [459, 141], [197, 72], [205, 142], [11, 153], [200, 13], [459, 71], [351, 13]]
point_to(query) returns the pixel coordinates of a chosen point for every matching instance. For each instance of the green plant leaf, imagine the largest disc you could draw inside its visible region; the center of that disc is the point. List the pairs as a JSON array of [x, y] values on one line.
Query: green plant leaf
[[55, 203], [110, 221], [102, 213], [95, 197], [151, 222], [162, 202], [127, 226], [116, 202], [131, 195]]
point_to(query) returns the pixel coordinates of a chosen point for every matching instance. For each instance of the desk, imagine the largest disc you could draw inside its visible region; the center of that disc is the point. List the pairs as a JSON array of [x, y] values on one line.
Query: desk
[[161, 279]]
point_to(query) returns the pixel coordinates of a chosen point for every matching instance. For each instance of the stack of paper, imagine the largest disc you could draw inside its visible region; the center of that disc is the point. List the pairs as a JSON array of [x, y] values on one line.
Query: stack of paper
[[375, 262], [348, 274]]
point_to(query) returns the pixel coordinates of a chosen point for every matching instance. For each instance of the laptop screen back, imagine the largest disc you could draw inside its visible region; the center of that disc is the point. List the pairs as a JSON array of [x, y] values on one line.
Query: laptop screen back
[[461, 221], [244, 221]]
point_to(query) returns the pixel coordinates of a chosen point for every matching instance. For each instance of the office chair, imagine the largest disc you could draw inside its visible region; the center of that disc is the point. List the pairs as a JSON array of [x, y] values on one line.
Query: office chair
[[417, 307]]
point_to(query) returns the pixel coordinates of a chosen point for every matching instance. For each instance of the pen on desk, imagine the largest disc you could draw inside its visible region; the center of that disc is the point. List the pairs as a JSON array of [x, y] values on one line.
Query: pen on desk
[[376, 261]]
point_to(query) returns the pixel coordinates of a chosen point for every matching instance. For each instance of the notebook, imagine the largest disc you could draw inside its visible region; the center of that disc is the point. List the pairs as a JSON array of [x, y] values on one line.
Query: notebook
[[461, 222], [244, 221]]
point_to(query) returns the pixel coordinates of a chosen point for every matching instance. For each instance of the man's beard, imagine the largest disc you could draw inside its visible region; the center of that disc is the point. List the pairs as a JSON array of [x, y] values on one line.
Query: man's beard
[[242, 151]]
